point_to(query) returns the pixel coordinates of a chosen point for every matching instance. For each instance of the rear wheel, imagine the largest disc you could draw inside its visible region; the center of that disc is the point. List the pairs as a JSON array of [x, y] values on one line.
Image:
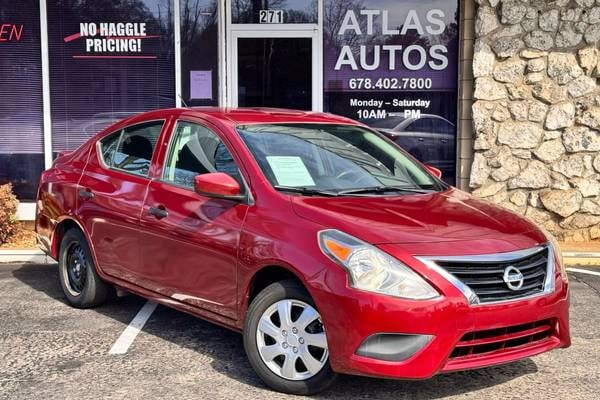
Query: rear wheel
[[81, 284], [285, 340]]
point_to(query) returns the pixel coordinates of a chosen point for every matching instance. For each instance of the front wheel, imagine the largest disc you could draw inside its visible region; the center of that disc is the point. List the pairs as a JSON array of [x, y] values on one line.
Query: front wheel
[[285, 340]]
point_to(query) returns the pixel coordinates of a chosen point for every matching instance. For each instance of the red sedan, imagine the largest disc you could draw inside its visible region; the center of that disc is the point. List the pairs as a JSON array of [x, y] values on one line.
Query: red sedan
[[325, 244]]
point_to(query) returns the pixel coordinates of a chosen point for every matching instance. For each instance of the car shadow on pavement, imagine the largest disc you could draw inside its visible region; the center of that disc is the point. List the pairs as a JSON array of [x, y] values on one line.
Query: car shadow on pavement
[[44, 278], [225, 349]]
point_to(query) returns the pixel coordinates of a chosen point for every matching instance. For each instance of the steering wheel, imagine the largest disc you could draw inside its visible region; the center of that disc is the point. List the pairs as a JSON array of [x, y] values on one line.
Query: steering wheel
[[350, 173]]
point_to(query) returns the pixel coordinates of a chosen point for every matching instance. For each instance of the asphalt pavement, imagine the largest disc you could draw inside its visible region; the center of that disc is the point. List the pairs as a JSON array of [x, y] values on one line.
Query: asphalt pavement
[[49, 350]]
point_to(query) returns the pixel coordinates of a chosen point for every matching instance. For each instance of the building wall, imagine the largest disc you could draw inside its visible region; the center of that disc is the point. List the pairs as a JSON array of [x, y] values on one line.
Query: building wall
[[465, 93], [536, 112]]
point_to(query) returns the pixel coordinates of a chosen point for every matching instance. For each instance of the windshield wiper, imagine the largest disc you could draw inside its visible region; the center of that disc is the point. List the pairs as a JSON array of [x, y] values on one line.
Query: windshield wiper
[[305, 191], [383, 189]]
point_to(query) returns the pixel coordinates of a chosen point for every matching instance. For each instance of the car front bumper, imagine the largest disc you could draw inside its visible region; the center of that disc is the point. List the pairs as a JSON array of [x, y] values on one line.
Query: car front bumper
[[461, 336]]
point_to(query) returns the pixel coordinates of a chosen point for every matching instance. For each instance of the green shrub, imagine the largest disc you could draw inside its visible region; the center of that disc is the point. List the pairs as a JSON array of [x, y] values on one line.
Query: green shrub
[[8, 212]]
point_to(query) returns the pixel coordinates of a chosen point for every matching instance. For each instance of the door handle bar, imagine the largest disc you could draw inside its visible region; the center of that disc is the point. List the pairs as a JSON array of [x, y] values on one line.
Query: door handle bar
[[86, 194], [159, 212]]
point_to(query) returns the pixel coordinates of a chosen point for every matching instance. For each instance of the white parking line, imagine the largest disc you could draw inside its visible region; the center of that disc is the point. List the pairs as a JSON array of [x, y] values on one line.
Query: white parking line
[[135, 326], [583, 271]]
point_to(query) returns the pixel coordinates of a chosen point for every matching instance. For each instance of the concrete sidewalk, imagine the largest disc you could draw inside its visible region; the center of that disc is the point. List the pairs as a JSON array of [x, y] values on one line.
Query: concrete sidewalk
[[587, 254]]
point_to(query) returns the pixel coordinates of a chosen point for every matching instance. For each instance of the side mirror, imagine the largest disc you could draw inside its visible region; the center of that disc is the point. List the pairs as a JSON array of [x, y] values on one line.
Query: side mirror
[[218, 185], [434, 171]]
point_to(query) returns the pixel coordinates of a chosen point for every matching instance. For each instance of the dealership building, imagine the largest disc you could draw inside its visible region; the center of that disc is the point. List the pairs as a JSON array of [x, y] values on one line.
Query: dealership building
[[500, 95]]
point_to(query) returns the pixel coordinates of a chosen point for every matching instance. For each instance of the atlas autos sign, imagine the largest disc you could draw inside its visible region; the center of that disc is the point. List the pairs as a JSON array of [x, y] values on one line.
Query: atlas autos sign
[[412, 57], [112, 39], [393, 64], [391, 58]]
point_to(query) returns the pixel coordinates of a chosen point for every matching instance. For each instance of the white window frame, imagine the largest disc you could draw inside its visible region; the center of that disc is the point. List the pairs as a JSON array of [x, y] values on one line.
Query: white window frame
[[177, 53], [26, 209], [229, 71]]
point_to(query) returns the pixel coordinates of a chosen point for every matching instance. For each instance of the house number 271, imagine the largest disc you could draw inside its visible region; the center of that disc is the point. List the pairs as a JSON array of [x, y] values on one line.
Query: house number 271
[[270, 17]]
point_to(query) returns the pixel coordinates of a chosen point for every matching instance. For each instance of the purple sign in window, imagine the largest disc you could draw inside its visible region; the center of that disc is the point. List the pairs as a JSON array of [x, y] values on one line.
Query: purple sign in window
[[393, 65], [108, 60]]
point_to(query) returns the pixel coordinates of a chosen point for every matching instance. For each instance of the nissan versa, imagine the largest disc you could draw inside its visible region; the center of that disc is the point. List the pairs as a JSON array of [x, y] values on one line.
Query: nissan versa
[[325, 244]]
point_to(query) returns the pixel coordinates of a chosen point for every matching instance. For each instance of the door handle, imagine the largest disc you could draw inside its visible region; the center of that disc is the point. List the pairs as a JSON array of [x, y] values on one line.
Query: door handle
[[159, 212], [86, 194]]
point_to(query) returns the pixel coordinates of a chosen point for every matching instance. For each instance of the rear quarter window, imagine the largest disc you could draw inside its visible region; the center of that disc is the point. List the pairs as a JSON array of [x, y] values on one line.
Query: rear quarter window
[[108, 145]]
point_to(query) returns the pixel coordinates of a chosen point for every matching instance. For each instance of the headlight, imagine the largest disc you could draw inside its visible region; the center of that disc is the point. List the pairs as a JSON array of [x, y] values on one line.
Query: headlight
[[554, 246], [373, 270]]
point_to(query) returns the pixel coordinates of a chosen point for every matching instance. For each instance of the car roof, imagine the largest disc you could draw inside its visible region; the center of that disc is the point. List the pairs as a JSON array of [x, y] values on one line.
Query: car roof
[[246, 116]]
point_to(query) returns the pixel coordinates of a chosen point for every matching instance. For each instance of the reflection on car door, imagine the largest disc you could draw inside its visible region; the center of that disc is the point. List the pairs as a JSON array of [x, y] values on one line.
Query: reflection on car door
[[188, 241], [444, 157], [111, 193]]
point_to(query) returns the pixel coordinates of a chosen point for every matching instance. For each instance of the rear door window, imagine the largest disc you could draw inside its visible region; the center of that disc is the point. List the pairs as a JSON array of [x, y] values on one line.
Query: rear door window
[[131, 149]]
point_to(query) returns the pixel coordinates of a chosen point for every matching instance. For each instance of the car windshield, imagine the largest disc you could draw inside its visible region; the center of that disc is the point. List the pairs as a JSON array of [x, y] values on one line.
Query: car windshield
[[328, 159]]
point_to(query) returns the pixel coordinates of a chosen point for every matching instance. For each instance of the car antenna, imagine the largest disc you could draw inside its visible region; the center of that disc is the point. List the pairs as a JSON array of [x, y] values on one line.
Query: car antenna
[[183, 101]]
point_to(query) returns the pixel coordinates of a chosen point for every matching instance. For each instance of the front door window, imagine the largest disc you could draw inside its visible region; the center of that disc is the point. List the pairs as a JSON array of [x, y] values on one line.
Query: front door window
[[196, 150]]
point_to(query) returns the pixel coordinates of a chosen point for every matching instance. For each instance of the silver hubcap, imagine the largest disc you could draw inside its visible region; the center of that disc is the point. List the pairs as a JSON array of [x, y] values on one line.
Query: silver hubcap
[[291, 340]]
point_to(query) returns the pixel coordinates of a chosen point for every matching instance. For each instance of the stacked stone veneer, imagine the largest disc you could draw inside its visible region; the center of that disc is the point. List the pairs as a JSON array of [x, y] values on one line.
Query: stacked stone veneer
[[536, 113]]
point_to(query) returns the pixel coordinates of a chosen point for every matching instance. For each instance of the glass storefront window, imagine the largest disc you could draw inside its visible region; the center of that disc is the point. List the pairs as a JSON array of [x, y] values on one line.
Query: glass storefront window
[[274, 11], [21, 137], [394, 66], [199, 52], [390, 64], [108, 60]]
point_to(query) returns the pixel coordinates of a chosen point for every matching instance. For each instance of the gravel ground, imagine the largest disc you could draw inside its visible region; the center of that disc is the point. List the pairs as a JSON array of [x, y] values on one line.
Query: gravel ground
[[49, 350]]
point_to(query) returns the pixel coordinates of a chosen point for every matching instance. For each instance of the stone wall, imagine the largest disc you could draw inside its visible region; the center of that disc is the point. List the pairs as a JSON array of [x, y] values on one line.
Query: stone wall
[[536, 114]]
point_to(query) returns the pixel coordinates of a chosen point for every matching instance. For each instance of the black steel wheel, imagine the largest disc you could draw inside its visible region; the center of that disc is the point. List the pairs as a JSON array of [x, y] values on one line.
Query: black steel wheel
[[79, 280], [76, 269]]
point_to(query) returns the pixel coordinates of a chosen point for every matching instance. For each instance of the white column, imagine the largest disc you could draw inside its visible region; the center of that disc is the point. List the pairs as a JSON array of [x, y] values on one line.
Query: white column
[[47, 118], [177, 36], [224, 27], [318, 77]]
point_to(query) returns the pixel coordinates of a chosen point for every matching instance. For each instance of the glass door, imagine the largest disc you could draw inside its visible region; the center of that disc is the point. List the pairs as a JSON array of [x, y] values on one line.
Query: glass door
[[274, 72], [274, 68]]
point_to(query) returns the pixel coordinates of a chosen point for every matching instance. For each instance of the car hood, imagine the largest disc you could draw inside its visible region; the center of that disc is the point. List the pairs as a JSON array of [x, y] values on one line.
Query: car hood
[[427, 219]]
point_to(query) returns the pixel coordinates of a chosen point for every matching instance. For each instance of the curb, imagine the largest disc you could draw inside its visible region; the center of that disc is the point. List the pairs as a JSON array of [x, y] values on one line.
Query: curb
[[582, 262], [24, 256], [583, 258]]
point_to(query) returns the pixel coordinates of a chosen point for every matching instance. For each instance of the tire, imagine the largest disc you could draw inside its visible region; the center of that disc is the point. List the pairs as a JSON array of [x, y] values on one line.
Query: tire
[[307, 340], [80, 283]]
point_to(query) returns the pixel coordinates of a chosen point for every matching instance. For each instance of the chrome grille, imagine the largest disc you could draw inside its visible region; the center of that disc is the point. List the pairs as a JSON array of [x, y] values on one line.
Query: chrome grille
[[483, 279]]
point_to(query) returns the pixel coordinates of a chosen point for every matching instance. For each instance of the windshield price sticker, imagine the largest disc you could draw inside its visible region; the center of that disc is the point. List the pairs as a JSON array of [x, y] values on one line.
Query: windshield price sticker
[[270, 17], [290, 171]]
